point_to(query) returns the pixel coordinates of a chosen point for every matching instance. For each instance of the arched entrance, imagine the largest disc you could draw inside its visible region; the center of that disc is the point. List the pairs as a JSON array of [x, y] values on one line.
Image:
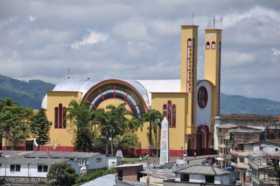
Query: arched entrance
[[116, 89], [202, 140]]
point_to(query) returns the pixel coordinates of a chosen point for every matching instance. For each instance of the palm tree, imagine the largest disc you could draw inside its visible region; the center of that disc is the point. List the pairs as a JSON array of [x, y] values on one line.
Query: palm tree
[[154, 118], [82, 115]]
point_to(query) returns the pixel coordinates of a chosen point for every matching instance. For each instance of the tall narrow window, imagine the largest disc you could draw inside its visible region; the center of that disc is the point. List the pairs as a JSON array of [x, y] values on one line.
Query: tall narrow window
[[60, 116], [169, 111]]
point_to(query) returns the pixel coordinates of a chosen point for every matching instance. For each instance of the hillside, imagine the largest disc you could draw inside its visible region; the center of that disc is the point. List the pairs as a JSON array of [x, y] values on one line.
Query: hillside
[[234, 104], [26, 93], [30, 93]]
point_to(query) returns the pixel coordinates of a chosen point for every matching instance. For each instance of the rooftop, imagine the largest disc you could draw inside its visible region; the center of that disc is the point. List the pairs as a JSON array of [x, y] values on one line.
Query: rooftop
[[203, 170], [42, 154], [250, 118]]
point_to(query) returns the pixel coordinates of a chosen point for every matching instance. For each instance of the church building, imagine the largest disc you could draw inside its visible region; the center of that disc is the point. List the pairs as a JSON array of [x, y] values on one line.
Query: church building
[[190, 105]]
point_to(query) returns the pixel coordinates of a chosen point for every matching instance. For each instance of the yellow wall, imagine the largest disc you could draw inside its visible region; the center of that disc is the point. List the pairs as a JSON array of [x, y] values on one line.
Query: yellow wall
[[212, 67], [60, 137], [189, 32], [177, 134]]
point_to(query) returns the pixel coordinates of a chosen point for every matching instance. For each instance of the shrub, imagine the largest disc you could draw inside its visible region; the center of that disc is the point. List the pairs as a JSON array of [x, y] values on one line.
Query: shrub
[[93, 174], [61, 174]]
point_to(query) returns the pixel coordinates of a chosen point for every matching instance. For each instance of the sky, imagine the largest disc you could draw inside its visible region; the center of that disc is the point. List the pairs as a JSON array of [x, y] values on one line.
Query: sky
[[47, 40]]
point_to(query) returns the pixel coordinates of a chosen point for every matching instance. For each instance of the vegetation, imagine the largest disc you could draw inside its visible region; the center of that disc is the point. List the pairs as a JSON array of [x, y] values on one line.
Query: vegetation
[[127, 141], [115, 122], [17, 123], [93, 174], [83, 117], [154, 118], [14, 122], [61, 174], [40, 127]]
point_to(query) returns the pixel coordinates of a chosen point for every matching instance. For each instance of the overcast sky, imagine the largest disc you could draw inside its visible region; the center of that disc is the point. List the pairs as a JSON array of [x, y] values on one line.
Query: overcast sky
[[139, 40]]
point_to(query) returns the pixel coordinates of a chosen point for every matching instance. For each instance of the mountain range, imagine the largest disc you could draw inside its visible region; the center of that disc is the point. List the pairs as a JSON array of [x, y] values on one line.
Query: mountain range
[[30, 94]]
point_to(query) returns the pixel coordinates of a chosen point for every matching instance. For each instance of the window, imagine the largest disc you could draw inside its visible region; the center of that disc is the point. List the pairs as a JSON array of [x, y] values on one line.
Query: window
[[60, 116], [207, 45], [189, 42], [169, 111], [98, 160], [202, 97], [15, 168], [213, 45], [42, 168], [209, 179], [185, 178]]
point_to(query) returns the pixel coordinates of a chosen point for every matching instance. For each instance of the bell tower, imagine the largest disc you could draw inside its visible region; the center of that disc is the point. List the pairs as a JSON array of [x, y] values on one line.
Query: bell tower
[[212, 67], [188, 72]]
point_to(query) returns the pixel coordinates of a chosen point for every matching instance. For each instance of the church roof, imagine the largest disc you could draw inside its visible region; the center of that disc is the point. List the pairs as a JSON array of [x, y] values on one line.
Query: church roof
[[143, 87]]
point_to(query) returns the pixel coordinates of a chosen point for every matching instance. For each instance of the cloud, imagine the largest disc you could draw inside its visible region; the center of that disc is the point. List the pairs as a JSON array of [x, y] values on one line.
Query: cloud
[[138, 40], [92, 38], [276, 52], [131, 30], [238, 59], [260, 13], [31, 18]]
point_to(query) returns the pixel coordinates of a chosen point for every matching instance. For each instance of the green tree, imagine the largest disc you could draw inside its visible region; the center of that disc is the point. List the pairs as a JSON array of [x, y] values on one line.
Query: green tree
[[154, 118], [14, 122], [61, 174], [82, 115], [128, 141], [40, 127], [115, 121]]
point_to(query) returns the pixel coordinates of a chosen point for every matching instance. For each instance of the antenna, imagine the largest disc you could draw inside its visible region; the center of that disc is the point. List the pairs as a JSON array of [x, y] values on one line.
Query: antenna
[[192, 18], [68, 76], [209, 23]]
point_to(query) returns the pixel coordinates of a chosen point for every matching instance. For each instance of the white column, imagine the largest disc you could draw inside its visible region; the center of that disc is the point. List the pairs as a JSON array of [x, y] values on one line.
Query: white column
[[164, 142], [216, 126]]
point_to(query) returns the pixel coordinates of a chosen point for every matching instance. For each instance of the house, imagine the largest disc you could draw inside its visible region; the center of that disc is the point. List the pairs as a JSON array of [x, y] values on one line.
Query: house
[[23, 167], [262, 165], [201, 175], [129, 172]]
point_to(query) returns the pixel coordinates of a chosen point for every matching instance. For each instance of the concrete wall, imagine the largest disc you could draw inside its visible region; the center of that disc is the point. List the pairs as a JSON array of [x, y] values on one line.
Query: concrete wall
[[224, 180]]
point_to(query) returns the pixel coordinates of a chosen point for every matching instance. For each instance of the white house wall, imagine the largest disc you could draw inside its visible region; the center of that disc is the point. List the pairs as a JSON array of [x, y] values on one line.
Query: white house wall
[[33, 172], [197, 178]]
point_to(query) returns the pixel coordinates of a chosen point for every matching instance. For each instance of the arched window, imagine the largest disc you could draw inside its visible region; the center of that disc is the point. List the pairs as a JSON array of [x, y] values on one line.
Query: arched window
[[207, 45], [213, 45], [189, 42]]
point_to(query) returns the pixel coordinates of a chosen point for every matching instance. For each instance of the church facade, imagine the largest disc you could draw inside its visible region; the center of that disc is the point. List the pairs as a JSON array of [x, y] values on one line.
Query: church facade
[[190, 105]]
